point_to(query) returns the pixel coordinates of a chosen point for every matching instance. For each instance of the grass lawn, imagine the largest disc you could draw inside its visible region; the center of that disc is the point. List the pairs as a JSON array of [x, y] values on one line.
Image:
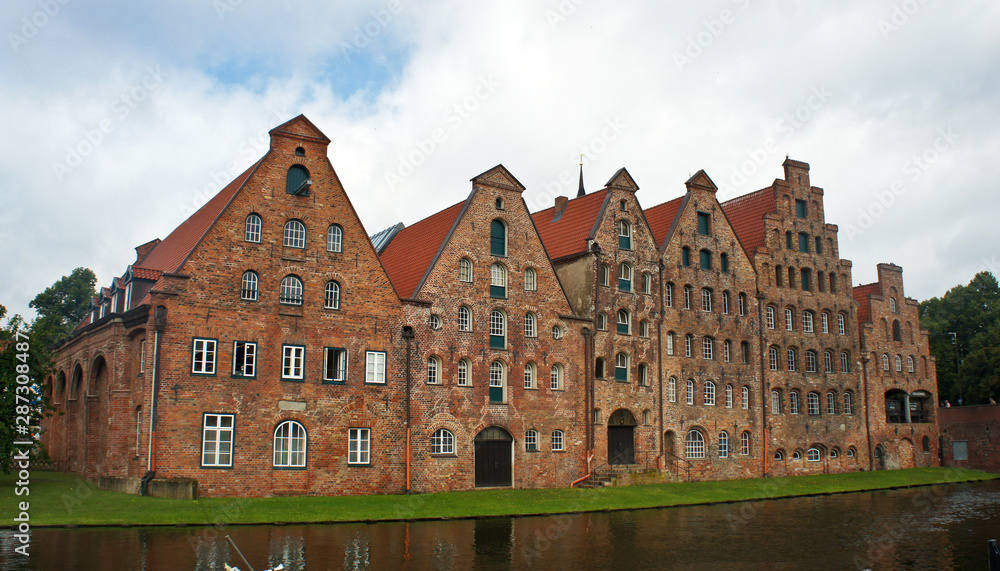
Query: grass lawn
[[64, 499]]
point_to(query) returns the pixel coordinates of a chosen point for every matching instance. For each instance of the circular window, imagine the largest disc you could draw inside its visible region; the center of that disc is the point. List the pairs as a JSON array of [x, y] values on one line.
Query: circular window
[[435, 322], [557, 332]]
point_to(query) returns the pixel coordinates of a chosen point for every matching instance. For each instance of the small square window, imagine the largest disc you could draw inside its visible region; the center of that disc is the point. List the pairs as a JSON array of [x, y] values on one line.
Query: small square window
[[292, 361], [244, 359], [375, 367], [334, 365], [359, 446], [203, 357]]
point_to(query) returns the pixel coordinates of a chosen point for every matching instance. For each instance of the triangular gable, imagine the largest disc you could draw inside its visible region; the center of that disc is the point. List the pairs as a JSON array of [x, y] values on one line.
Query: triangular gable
[[568, 234], [746, 216], [300, 127], [622, 179], [499, 177], [702, 181], [410, 255]]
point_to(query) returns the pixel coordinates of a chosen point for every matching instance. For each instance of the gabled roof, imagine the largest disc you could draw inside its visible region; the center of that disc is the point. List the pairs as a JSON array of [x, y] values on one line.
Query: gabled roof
[[568, 233], [300, 127], [145, 273], [662, 217], [861, 295], [170, 254], [746, 216], [408, 256]]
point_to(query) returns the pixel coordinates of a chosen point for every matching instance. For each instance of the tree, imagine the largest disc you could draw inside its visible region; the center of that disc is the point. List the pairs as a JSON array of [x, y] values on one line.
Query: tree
[[22, 400], [61, 307]]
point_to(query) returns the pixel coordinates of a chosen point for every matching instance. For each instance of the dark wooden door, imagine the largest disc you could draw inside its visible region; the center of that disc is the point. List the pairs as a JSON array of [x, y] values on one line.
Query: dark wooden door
[[493, 458], [621, 445]]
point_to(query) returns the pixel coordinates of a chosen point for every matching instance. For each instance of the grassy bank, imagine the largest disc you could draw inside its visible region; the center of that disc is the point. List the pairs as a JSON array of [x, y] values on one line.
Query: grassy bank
[[64, 499]]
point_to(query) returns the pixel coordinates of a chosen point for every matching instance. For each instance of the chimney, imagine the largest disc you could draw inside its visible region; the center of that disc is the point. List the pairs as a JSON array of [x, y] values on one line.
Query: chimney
[[560, 206]]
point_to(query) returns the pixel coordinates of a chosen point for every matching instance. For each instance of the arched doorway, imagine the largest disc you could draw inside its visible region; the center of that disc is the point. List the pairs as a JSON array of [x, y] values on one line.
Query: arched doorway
[[879, 457], [493, 448], [621, 437], [906, 459]]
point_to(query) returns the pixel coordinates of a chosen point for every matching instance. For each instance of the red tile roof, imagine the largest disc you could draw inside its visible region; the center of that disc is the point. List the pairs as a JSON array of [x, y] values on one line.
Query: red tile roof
[[411, 252], [568, 234], [746, 215], [861, 295], [145, 273], [170, 254], [661, 217]]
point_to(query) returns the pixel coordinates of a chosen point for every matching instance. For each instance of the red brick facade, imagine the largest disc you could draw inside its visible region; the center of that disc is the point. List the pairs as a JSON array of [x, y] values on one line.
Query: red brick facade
[[265, 347]]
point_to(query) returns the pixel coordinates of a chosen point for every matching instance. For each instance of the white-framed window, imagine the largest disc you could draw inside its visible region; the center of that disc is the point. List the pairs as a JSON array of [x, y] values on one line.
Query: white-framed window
[[442, 442], [793, 402], [743, 304], [434, 321], [464, 319], [359, 442], [727, 349], [556, 377], [825, 319], [706, 299], [725, 302], [624, 235], [530, 329], [621, 367], [709, 394], [531, 440], [292, 359], [530, 375], [252, 232], [203, 356], [331, 295], [813, 455], [745, 401], [602, 322], [643, 374], [668, 295], [909, 364], [729, 396], [828, 361], [688, 344], [605, 275], [775, 402], [290, 443], [885, 361], [530, 280], [295, 234], [142, 356], [643, 328], [810, 361], [687, 297], [334, 364], [244, 359], [290, 292], [624, 322], [812, 403], [557, 440], [789, 319], [690, 391], [433, 370], [694, 445], [465, 270], [498, 382], [848, 403], [770, 317], [707, 348], [498, 281], [791, 358], [772, 359], [845, 362], [217, 440], [625, 277], [723, 444], [745, 443], [807, 321], [334, 238], [248, 286], [647, 283], [841, 324], [672, 390], [375, 367], [464, 366], [557, 332], [831, 402], [899, 364], [498, 330], [670, 343]]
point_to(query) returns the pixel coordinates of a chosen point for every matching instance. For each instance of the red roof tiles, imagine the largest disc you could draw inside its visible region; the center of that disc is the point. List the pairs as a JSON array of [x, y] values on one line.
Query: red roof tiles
[[861, 295], [568, 233], [410, 253], [661, 217], [145, 273], [746, 215]]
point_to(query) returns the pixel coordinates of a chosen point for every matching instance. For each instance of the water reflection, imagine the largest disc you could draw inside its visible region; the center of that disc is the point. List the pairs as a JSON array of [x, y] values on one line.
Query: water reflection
[[920, 528]]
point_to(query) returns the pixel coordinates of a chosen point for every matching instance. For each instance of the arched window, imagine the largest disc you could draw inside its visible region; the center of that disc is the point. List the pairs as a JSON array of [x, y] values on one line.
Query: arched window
[[825, 322], [442, 442], [831, 402], [805, 280], [779, 455], [686, 257], [725, 302], [602, 321], [644, 329], [498, 330], [290, 291], [892, 304], [557, 440], [791, 358], [899, 364], [290, 445], [723, 444], [897, 335], [807, 321], [789, 319], [779, 273], [813, 455], [909, 364], [885, 361], [334, 238], [647, 283], [841, 320], [625, 278], [624, 323], [833, 283], [433, 370], [643, 374], [605, 276], [706, 299], [498, 203], [707, 347], [530, 280], [727, 349], [670, 343], [529, 325], [331, 297], [530, 375], [694, 445], [668, 295], [848, 402], [248, 286], [744, 352], [531, 440], [770, 317], [775, 402], [745, 443], [621, 367], [745, 401], [465, 270], [729, 396], [624, 235], [464, 366], [464, 319], [556, 377], [708, 393], [812, 402], [498, 238], [810, 361], [705, 259], [687, 297], [498, 281], [690, 391], [772, 359], [252, 233], [672, 390], [297, 181], [743, 304], [845, 362], [793, 402], [498, 381], [599, 368], [295, 234], [688, 342]]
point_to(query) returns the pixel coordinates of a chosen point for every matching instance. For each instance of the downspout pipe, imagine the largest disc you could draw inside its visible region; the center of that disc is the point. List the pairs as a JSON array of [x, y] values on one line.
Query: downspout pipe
[[408, 337], [661, 460], [159, 325], [763, 384], [868, 428]]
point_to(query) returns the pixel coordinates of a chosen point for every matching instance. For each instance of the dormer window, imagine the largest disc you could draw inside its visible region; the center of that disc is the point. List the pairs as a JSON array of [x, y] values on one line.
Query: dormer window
[[298, 181]]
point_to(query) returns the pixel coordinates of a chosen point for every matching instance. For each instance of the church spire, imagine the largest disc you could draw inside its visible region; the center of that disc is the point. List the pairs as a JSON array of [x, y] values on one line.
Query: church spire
[[581, 192]]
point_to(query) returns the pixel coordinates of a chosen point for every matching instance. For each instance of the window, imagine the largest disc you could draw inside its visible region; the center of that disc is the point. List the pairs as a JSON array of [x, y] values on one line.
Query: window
[[899, 364], [706, 299], [531, 440], [297, 181], [498, 238], [803, 243], [463, 372], [892, 304], [708, 394], [331, 296], [727, 346], [705, 259], [779, 455], [529, 325], [668, 295], [848, 403], [498, 330], [465, 270], [625, 278], [602, 322], [745, 401], [806, 279], [375, 367], [778, 276], [557, 332], [885, 362], [744, 352], [845, 362], [960, 450], [835, 453], [813, 455], [290, 445], [621, 367], [909, 364], [819, 250], [812, 402], [791, 358], [800, 208], [828, 361], [334, 238], [775, 402], [690, 391], [252, 233], [793, 402], [797, 455], [687, 297], [599, 368], [729, 396], [244, 359], [498, 377], [248, 287], [644, 330], [686, 257], [530, 280], [825, 322], [290, 292], [434, 321], [556, 378], [810, 361], [831, 402], [770, 317], [789, 319], [745, 443], [292, 359], [359, 445], [688, 341], [433, 371], [334, 365], [624, 235], [643, 374], [203, 357], [725, 302], [703, 223], [529, 375], [694, 445], [723, 444], [217, 441], [840, 321], [295, 234], [624, 326], [807, 321], [647, 283], [707, 347], [742, 304], [724, 263], [557, 440], [499, 203], [772, 358], [672, 390], [142, 356], [605, 276], [498, 281], [464, 319], [442, 442], [670, 343], [788, 241]]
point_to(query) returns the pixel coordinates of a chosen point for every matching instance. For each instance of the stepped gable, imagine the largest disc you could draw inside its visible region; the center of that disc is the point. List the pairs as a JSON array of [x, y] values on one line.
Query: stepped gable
[[412, 251], [861, 295], [746, 216], [565, 231]]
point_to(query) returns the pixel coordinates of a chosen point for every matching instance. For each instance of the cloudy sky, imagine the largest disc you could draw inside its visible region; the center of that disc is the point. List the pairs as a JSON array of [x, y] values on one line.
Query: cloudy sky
[[121, 118]]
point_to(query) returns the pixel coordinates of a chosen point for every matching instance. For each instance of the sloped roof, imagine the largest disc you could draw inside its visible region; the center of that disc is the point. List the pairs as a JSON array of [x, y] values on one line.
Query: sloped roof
[[145, 273], [382, 238], [170, 254], [661, 217], [861, 295], [409, 255], [569, 232], [746, 215]]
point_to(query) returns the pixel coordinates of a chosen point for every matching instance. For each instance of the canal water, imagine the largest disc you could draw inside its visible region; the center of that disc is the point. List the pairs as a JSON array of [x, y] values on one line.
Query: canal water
[[939, 527]]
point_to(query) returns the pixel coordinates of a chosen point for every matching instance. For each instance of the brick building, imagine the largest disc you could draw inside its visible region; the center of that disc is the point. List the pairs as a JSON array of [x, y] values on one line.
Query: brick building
[[269, 346]]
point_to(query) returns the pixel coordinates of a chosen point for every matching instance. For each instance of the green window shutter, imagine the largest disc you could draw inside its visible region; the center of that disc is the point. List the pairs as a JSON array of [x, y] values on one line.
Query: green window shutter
[[496, 394], [625, 242], [497, 342], [498, 238], [703, 219], [803, 242], [624, 285], [800, 208], [621, 374], [498, 292], [297, 177], [623, 328], [706, 260]]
